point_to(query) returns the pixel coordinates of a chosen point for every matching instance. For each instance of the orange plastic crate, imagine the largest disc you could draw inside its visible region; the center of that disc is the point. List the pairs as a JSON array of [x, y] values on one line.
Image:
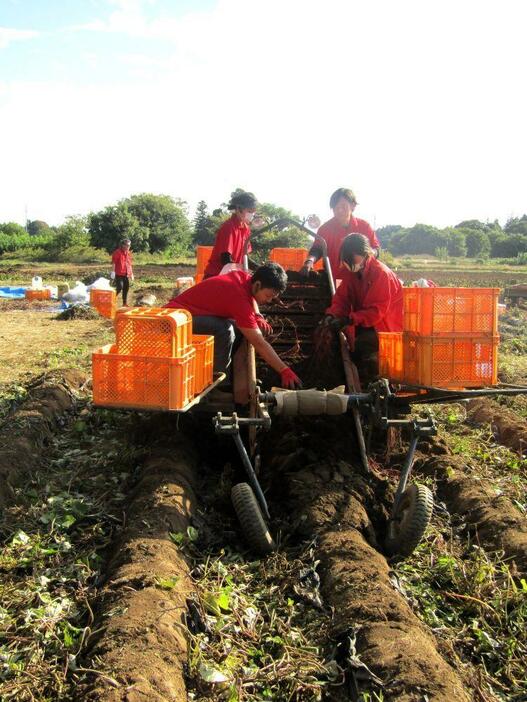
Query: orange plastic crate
[[153, 331], [433, 311], [142, 382], [391, 355], [198, 278], [104, 302], [204, 346], [289, 259], [450, 361], [293, 259], [203, 254], [44, 294]]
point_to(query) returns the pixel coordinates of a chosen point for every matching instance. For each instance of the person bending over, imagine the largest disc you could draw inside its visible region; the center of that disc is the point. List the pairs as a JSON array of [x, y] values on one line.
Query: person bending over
[[226, 306], [369, 299]]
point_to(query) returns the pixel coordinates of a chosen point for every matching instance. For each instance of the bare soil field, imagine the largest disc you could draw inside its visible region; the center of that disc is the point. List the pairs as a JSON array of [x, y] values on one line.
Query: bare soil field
[[125, 576]]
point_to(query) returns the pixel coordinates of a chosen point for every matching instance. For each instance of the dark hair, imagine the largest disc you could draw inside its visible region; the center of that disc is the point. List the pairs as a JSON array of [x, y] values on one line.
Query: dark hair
[[355, 245], [243, 201], [271, 275], [346, 193]]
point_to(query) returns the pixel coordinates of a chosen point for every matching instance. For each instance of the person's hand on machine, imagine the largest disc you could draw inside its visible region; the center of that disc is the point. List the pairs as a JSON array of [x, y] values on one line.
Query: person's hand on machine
[[332, 322], [307, 267], [289, 379], [263, 325]]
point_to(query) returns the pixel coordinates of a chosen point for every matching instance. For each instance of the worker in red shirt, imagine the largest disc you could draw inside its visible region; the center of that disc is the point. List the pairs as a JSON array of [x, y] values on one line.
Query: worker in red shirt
[[370, 300], [227, 304], [343, 203], [122, 271], [231, 237]]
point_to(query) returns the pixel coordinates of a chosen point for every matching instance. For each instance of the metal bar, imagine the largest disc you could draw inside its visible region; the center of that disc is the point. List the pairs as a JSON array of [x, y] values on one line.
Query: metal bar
[[405, 473], [350, 380], [251, 474]]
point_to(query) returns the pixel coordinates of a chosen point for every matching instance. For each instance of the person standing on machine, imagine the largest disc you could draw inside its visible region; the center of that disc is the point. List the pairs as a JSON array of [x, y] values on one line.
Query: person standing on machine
[[334, 231], [231, 237]]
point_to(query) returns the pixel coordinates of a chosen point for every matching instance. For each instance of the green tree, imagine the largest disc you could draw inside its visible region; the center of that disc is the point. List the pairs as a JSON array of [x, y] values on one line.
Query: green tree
[[478, 243], [109, 226], [287, 237], [516, 225], [419, 239], [456, 242], [13, 229], [36, 227], [204, 231], [384, 234], [72, 234], [163, 221]]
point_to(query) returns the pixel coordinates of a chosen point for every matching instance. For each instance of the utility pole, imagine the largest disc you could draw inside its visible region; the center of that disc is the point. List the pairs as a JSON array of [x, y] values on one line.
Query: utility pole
[[27, 221]]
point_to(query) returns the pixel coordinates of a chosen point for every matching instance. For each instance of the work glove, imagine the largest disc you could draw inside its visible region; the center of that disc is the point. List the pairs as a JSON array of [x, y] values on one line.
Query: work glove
[[289, 379], [263, 325], [132, 278], [112, 275], [307, 268], [336, 323]]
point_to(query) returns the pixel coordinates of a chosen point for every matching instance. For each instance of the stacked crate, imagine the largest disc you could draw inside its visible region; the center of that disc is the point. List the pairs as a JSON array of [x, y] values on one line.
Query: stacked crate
[[154, 362], [449, 339]]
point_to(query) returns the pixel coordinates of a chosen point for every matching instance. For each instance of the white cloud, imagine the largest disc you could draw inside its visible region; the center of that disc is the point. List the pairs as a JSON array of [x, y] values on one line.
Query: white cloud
[[7, 35]]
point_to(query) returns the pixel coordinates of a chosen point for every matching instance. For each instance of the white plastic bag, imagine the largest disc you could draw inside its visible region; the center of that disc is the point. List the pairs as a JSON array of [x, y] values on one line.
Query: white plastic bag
[[100, 284], [77, 294]]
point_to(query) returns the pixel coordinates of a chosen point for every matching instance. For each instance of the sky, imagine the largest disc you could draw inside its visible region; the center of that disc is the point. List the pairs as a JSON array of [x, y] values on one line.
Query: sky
[[419, 106]]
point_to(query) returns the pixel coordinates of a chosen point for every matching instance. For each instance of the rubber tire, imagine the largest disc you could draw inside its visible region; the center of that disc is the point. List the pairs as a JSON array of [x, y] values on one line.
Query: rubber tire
[[411, 520], [251, 519]]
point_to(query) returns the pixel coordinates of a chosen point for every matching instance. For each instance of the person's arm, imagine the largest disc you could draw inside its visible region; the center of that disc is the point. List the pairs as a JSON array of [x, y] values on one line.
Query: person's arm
[[341, 303], [265, 350], [377, 303]]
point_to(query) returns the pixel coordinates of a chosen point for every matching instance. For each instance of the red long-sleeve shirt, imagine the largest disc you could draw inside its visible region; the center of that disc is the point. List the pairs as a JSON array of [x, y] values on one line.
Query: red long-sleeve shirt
[[371, 298], [122, 261], [230, 238], [334, 234]]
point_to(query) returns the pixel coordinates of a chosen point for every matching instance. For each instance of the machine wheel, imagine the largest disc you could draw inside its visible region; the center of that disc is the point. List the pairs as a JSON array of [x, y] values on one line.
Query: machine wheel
[[409, 524], [250, 517]]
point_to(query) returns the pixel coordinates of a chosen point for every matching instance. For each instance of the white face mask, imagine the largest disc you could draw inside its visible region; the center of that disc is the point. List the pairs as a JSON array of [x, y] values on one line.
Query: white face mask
[[355, 268], [249, 216]]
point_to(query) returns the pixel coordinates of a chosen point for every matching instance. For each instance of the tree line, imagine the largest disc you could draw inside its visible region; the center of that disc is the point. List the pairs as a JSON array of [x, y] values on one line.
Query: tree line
[[160, 224], [155, 224], [470, 238]]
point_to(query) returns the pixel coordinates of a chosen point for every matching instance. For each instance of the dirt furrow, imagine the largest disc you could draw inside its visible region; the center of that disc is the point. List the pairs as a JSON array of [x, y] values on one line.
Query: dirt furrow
[[495, 522], [141, 648], [326, 497], [508, 429], [27, 429]]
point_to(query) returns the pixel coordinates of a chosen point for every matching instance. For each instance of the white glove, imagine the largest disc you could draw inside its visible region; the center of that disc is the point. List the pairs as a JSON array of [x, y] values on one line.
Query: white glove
[[112, 275], [228, 267]]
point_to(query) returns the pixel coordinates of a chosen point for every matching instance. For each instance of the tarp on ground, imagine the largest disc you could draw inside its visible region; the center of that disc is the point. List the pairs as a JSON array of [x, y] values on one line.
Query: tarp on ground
[[12, 293]]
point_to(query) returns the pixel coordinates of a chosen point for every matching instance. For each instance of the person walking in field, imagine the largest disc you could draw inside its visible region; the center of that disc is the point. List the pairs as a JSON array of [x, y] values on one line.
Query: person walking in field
[[122, 271], [334, 231], [231, 237]]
